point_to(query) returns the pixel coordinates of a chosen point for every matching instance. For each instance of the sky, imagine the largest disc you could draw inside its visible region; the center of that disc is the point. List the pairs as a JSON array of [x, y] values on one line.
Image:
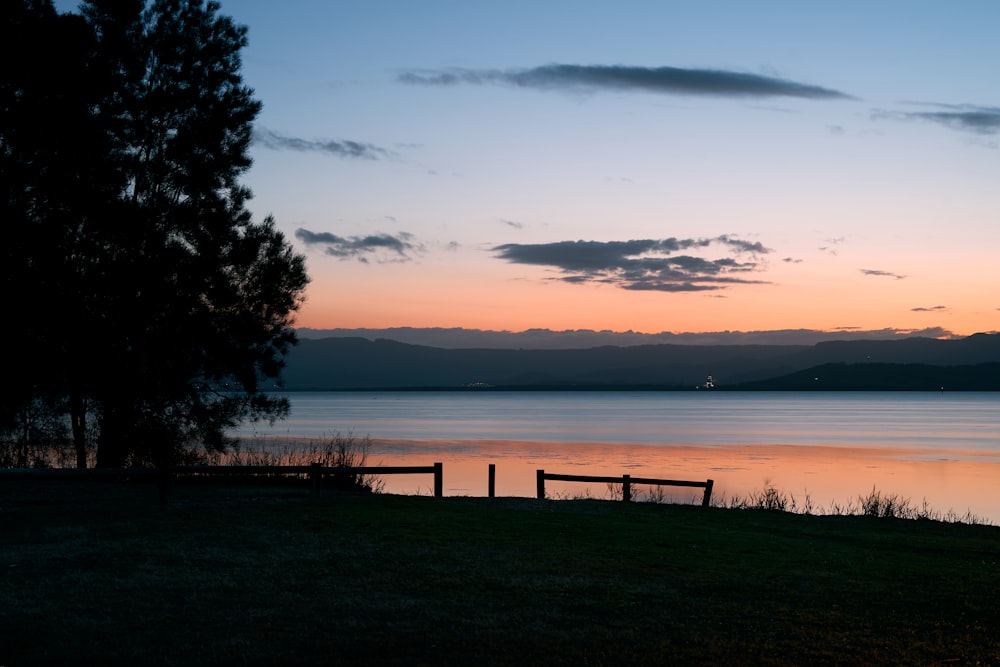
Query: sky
[[637, 165]]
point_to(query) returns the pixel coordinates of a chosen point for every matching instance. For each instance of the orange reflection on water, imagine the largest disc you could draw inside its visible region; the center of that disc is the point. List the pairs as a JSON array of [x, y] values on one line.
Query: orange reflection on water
[[825, 477]]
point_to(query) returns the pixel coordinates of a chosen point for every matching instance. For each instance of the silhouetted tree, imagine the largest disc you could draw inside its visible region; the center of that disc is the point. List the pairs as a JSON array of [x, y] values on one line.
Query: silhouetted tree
[[56, 177], [160, 304]]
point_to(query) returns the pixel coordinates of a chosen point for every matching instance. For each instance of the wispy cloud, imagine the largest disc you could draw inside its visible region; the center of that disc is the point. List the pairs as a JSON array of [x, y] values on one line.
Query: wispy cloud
[[349, 149], [932, 309], [664, 80], [643, 264], [886, 274], [383, 247], [832, 244], [964, 117]]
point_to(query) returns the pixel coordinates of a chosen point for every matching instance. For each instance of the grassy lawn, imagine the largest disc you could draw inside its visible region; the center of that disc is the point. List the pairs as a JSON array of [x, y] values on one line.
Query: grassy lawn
[[100, 573]]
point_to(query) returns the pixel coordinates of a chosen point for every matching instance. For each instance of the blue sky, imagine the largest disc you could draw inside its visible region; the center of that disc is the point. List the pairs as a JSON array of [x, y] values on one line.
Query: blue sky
[[655, 166]]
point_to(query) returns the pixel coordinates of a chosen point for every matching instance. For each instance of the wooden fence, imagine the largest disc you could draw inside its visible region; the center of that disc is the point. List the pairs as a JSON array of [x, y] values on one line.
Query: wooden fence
[[315, 472], [166, 476], [626, 481]]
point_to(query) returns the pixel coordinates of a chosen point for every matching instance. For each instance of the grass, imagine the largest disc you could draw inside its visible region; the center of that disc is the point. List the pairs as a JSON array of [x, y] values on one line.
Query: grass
[[876, 504], [99, 573], [331, 451]]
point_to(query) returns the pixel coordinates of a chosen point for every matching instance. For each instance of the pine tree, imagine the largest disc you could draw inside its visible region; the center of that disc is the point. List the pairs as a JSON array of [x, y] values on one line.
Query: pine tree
[[174, 305]]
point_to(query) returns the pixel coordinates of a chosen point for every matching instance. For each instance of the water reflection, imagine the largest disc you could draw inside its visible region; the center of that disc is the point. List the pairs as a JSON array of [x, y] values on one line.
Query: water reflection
[[829, 447], [825, 477]]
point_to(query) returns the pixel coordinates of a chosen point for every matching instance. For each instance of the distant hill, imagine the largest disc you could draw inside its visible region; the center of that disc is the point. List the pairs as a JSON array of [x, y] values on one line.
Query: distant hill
[[887, 377], [359, 363], [548, 339]]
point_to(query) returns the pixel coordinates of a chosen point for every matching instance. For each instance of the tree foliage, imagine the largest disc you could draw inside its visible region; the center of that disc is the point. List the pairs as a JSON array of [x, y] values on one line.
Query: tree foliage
[[151, 298]]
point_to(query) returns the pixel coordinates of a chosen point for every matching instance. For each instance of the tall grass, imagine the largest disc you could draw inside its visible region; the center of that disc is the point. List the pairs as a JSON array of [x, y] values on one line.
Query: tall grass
[[332, 451], [18, 453], [876, 504]]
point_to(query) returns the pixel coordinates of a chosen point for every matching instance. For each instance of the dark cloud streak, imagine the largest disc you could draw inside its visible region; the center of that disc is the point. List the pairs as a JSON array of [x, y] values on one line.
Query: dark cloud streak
[[963, 117], [664, 80], [642, 264], [981, 121], [348, 149], [401, 246], [886, 274]]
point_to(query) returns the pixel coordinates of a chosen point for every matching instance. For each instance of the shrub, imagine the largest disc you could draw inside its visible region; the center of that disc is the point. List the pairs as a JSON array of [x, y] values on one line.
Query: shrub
[[886, 506], [770, 498], [37, 436], [333, 451]]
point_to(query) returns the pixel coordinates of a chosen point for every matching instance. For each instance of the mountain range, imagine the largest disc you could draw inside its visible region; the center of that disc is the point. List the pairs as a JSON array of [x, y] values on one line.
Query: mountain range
[[548, 339], [354, 362]]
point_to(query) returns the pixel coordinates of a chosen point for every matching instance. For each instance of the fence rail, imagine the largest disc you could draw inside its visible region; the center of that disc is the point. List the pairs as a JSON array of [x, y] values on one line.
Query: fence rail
[[316, 472], [625, 480], [166, 476]]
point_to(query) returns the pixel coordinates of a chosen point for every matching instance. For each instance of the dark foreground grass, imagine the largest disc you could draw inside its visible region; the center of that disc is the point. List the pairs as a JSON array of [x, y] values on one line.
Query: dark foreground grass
[[99, 573]]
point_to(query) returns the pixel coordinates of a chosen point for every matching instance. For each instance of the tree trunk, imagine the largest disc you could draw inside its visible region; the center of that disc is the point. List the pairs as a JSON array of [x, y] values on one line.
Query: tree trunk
[[113, 441], [78, 420]]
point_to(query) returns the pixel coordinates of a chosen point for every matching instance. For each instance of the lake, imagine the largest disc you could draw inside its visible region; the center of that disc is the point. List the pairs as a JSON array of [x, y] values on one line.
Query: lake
[[825, 448]]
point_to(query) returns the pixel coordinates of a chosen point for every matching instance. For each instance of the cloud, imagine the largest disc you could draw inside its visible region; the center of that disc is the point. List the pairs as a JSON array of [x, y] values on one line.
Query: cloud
[[400, 247], [349, 149], [830, 248], [930, 332], [964, 117], [887, 274], [664, 80], [792, 260], [879, 334], [932, 309], [642, 264], [512, 223], [740, 246]]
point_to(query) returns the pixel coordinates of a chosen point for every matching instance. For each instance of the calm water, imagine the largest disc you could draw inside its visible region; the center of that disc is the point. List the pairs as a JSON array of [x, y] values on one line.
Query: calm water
[[942, 447]]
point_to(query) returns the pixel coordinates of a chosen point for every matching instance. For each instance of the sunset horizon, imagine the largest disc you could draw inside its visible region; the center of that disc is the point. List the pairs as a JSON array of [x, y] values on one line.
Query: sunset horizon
[[887, 332], [804, 168]]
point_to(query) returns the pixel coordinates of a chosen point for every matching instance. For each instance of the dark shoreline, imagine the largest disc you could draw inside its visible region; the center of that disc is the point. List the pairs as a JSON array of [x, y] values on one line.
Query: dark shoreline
[[649, 388]]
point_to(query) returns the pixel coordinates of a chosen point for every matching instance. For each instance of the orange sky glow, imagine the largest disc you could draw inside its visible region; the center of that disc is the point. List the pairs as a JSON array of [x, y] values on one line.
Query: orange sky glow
[[777, 176], [482, 301]]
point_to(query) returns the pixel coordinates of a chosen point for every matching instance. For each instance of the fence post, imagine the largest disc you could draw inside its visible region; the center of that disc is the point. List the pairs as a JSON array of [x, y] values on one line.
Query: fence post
[[493, 480], [315, 475], [626, 488], [708, 493], [438, 480], [540, 483]]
